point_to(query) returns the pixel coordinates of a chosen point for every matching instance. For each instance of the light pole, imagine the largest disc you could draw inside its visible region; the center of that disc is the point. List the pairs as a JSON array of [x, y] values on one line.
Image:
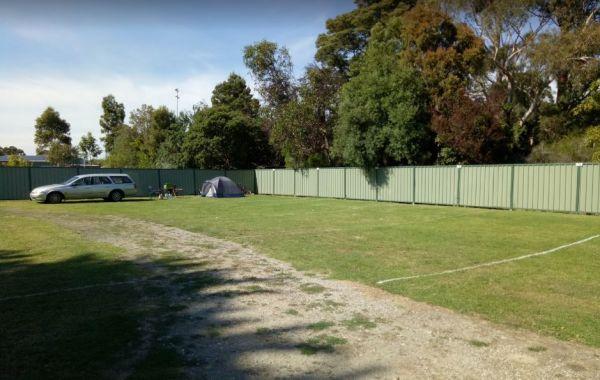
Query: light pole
[[177, 97]]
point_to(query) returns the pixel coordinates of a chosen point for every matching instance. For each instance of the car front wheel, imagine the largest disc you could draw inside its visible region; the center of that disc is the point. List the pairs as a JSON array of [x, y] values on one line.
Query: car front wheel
[[54, 198]]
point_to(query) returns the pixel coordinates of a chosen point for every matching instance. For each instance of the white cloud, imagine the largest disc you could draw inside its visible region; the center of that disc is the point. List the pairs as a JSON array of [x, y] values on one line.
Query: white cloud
[[23, 99]]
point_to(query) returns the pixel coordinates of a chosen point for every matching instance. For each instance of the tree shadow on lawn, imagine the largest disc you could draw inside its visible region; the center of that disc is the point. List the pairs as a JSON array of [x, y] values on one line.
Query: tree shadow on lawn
[[79, 201], [101, 318]]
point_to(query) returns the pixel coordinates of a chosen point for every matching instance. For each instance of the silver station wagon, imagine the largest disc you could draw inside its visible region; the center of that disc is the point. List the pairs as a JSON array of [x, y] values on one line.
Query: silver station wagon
[[110, 187]]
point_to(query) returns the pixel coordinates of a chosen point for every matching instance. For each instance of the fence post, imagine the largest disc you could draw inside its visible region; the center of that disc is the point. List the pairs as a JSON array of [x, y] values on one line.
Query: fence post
[[376, 184], [512, 186], [414, 185], [345, 194], [458, 169], [317, 182], [29, 178], [579, 165], [273, 189], [294, 181], [195, 184]]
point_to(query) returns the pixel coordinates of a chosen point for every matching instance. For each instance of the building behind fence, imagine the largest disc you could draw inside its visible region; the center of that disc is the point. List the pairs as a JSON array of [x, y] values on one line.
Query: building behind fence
[[551, 187]]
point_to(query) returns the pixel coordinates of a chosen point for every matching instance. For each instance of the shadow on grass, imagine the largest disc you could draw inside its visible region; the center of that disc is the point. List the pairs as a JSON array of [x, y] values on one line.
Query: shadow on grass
[[125, 200], [128, 319]]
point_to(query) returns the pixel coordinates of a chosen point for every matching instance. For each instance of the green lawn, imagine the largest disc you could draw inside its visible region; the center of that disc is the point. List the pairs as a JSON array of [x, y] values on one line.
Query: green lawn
[[74, 334], [557, 294]]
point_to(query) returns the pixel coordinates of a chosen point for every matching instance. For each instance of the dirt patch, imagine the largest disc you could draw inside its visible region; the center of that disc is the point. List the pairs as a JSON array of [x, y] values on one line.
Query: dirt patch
[[242, 314]]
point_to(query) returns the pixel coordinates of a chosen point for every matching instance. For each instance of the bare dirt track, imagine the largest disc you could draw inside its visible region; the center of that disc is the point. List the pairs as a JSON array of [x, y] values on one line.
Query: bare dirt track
[[243, 315]]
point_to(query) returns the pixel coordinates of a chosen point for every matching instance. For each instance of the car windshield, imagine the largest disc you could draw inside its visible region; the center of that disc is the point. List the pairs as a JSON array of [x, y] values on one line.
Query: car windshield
[[70, 180]]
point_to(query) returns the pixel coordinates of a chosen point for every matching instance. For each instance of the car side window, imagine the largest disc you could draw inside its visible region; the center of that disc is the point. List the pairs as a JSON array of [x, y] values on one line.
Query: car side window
[[83, 181], [120, 179], [100, 181]]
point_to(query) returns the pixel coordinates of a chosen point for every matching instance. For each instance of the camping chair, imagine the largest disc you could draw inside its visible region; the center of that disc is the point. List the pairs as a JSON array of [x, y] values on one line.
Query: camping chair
[[154, 192], [169, 191]]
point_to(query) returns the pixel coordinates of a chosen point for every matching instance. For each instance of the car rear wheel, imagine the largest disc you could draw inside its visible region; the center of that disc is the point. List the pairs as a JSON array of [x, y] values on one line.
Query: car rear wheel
[[54, 198], [115, 196]]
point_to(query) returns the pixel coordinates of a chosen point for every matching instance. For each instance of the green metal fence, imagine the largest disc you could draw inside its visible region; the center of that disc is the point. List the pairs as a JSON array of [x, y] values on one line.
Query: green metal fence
[[550, 187], [16, 183]]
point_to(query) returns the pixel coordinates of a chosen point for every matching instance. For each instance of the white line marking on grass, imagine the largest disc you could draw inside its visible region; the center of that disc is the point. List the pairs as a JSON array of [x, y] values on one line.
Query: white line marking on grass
[[78, 288], [488, 264]]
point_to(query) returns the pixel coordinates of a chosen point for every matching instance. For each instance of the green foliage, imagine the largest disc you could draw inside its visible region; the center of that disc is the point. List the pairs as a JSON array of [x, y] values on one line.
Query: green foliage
[[88, 147], [61, 154], [50, 129], [111, 120], [303, 128], [589, 108], [170, 154], [223, 138], [153, 140], [348, 34], [227, 135], [162, 126], [271, 67], [16, 160], [383, 112], [592, 137], [8, 150], [125, 152], [234, 93], [569, 148]]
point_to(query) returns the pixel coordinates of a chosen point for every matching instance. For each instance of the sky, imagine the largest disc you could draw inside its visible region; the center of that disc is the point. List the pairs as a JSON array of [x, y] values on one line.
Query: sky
[[69, 54]]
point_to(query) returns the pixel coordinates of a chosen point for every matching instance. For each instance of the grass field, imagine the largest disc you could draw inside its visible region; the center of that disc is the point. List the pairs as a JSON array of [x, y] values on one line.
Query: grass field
[[556, 294], [76, 334]]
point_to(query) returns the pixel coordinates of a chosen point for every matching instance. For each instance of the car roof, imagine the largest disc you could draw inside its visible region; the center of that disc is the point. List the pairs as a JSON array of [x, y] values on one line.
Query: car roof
[[101, 175]]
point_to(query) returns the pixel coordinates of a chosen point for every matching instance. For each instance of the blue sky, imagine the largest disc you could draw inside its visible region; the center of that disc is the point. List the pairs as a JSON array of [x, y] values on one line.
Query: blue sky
[[69, 54]]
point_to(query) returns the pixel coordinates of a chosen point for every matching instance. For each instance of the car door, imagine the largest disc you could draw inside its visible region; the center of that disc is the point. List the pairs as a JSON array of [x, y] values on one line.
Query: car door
[[101, 187], [79, 189]]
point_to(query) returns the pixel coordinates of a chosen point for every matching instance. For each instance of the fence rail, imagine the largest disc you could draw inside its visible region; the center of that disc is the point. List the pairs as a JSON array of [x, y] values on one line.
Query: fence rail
[[549, 187]]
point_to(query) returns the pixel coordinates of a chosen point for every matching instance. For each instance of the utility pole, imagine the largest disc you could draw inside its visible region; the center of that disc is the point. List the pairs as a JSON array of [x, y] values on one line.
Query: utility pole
[[177, 97]]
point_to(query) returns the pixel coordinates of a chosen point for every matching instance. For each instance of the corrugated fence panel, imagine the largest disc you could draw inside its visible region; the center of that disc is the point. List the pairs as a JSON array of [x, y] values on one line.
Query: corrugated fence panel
[[436, 185], [485, 186], [206, 174], [181, 178], [284, 182], [331, 183], [243, 178], [48, 176], [306, 182], [395, 184], [545, 187], [97, 170], [550, 187], [264, 181], [360, 184], [589, 189], [14, 183], [144, 179]]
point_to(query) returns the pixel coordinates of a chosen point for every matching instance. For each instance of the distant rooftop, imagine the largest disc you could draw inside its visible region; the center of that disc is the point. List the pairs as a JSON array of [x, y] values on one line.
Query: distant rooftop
[[28, 158]]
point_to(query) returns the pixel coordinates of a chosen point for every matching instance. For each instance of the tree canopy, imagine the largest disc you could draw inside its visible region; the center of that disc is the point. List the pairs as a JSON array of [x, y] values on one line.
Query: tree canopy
[[51, 129], [383, 112], [112, 118]]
